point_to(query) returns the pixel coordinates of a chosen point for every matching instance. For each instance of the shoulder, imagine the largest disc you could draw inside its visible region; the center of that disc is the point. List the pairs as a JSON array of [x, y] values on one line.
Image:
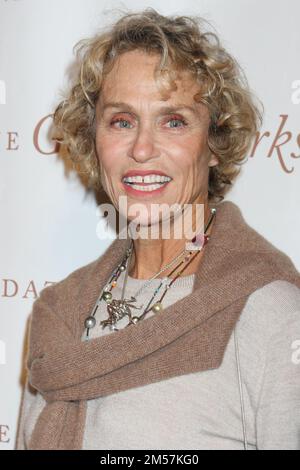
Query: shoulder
[[61, 299], [75, 283], [71, 282], [272, 309], [69, 290], [278, 294]]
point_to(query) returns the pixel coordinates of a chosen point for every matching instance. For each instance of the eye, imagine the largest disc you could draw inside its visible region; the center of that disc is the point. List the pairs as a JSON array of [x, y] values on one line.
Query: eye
[[176, 122], [124, 123]]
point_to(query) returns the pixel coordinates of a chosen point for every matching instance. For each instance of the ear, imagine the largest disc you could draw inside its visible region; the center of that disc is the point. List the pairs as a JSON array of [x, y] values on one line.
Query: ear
[[213, 160]]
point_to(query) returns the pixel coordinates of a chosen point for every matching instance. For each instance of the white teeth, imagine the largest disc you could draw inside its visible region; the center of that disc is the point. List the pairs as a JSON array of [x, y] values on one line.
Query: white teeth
[[135, 179], [149, 187], [147, 179]]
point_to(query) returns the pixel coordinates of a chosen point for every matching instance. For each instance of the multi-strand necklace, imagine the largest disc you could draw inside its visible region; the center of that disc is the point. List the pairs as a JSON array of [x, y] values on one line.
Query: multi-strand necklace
[[120, 308]]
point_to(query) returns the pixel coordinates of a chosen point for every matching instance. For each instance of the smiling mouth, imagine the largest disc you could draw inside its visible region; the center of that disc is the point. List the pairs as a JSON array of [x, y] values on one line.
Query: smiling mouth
[[146, 183]]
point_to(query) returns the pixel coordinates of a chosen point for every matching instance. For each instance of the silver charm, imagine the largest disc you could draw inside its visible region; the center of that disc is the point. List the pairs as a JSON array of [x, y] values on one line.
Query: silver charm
[[117, 310], [90, 322]]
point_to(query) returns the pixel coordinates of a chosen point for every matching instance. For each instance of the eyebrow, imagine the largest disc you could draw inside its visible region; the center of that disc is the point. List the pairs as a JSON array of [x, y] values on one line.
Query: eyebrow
[[163, 109]]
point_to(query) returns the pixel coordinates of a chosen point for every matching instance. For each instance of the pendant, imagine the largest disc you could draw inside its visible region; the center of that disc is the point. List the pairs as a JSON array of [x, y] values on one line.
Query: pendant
[[118, 309]]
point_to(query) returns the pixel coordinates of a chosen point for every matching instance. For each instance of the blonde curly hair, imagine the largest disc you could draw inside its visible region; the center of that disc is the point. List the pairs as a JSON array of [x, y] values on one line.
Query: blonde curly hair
[[183, 43]]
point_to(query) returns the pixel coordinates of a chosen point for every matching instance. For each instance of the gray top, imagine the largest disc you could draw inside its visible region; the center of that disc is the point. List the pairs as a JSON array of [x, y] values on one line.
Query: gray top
[[203, 410]]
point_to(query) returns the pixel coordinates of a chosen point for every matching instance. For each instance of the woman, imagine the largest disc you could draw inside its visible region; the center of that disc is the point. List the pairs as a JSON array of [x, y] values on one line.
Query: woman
[[165, 342]]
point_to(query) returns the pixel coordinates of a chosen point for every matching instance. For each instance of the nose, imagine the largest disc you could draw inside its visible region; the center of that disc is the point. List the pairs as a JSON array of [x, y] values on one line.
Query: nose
[[143, 146]]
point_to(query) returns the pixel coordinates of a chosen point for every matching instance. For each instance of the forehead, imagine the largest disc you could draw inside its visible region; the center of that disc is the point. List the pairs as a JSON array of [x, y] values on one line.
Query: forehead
[[133, 78]]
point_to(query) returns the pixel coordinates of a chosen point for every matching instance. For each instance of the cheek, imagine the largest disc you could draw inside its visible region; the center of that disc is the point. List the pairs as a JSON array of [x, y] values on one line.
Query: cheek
[[108, 152], [187, 153]]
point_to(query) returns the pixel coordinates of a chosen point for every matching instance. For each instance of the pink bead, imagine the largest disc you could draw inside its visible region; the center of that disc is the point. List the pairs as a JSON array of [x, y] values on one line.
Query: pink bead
[[199, 240]]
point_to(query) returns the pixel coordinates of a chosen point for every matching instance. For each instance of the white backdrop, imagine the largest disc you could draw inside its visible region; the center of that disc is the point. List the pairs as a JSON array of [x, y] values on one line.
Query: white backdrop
[[48, 220]]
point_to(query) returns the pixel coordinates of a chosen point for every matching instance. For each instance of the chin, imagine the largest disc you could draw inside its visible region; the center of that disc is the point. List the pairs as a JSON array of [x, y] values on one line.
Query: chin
[[145, 221]]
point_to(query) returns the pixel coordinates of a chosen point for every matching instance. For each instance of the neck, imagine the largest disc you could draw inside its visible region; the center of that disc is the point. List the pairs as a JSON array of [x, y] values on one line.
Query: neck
[[149, 256]]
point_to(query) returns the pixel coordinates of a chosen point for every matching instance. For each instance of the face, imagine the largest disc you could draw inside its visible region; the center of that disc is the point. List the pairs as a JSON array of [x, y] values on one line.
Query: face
[[138, 129]]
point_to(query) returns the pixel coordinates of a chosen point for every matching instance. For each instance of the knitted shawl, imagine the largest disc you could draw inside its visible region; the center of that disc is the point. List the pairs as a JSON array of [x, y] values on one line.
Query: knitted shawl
[[188, 336]]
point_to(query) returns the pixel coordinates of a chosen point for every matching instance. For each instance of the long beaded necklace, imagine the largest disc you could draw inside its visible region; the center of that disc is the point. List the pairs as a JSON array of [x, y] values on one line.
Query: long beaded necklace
[[119, 308]]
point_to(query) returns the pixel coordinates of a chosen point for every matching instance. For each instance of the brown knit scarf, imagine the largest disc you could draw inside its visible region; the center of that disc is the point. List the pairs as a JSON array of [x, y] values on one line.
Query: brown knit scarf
[[189, 336]]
